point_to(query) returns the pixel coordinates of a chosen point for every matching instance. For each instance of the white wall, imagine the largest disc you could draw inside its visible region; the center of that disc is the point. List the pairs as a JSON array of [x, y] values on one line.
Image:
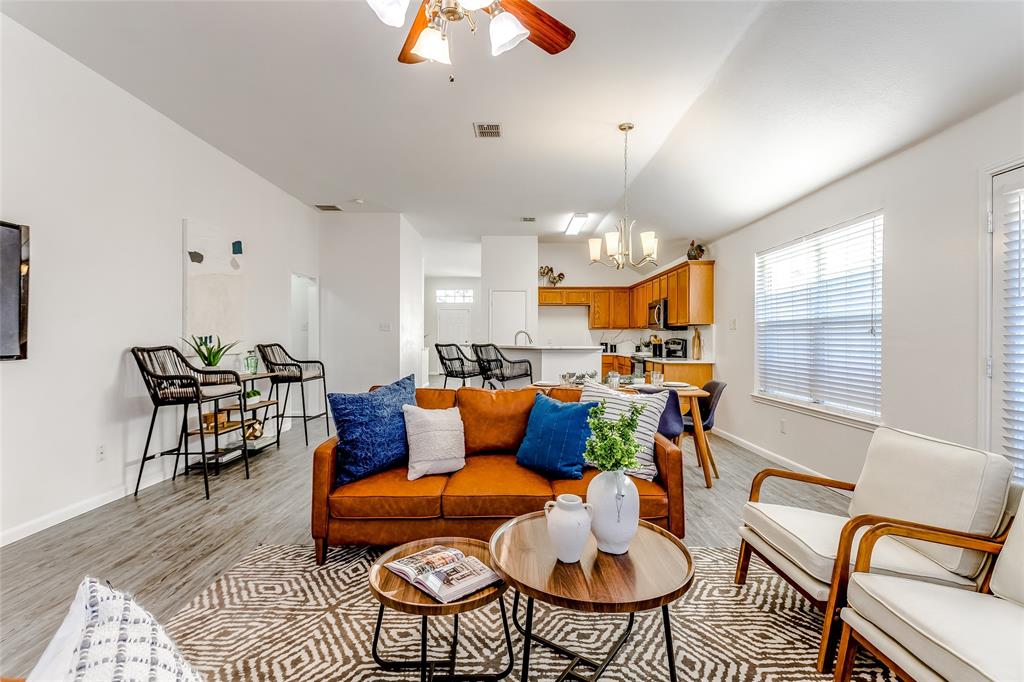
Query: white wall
[[477, 318], [932, 375], [573, 259], [410, 303], [510, 263], [104, 181]]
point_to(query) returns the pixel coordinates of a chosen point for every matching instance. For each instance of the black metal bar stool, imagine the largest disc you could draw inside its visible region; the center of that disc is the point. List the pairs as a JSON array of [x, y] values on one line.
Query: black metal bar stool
[[496, 366], [288, 370], [457, 365], [172, 380]]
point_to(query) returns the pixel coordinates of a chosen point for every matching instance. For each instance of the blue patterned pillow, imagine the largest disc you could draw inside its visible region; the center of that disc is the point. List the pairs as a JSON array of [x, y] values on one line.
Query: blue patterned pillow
[[556, 437], [371, 429]]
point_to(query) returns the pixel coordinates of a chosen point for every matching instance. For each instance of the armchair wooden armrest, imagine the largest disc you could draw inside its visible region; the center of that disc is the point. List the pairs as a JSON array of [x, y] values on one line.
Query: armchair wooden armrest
[[668, 458], [914, 531], [759, 479], [323, 484]]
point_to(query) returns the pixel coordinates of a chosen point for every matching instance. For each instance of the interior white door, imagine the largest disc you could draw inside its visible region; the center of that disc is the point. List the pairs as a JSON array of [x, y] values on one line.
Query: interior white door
[[452, 327], [507, 316]]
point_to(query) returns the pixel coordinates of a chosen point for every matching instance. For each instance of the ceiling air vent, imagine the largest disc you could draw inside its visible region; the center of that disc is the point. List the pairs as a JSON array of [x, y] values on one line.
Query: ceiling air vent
[[329, 207], [487, 129], [527, 219]]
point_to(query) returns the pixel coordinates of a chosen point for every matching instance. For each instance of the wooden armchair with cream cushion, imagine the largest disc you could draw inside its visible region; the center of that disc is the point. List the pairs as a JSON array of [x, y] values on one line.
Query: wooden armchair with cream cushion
[[906, 478], [924, 631]]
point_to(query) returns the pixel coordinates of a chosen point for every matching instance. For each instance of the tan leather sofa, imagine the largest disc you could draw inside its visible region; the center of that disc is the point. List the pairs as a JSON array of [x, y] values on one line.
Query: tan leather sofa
[[388, 509]]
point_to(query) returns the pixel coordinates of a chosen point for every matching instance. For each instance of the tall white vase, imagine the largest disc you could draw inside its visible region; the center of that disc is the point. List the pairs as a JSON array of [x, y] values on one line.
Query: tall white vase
[[568, 526], [616, 516]]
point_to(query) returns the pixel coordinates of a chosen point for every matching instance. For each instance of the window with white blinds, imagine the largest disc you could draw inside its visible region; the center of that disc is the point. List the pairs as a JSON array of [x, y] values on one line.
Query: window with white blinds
[[1008, 318], [818, 319]]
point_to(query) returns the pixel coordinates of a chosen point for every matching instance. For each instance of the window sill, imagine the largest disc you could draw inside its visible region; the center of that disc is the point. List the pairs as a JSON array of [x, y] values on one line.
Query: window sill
[[863, 423]]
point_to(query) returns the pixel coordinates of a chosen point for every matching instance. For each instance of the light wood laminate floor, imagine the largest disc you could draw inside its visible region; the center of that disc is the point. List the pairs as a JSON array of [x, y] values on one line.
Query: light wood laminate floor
[[169, 543]]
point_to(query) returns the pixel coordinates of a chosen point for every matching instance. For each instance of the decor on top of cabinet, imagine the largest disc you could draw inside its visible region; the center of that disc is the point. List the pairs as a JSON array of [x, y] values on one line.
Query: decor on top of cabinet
[[612, 448], [548, 273], [696, 251], [697, 344]]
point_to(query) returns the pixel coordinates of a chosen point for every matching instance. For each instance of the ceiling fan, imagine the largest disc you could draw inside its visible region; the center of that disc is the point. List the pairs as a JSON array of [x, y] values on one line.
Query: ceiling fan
[[512, 21]]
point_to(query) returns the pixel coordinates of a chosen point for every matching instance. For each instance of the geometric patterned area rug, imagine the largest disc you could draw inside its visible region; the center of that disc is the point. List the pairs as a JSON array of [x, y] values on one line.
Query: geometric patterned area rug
[[279, 616]]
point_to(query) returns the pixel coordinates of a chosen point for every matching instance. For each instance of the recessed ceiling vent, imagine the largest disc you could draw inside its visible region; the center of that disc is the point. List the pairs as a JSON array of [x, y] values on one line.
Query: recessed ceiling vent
[[527, 219], [329, 207], [487, 129]]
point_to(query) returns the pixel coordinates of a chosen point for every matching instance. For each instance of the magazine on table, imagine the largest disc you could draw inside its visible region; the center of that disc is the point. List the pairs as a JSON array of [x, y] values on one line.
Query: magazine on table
[[445, 573]]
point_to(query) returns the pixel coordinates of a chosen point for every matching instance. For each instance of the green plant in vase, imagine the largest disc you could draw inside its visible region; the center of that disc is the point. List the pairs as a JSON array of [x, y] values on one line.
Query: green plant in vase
[[209, 352], [612, 448]]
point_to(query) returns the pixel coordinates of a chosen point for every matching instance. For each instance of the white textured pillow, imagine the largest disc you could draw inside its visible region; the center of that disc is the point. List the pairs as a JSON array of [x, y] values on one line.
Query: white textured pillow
[[437, 441], [107, 635], [617, 403]]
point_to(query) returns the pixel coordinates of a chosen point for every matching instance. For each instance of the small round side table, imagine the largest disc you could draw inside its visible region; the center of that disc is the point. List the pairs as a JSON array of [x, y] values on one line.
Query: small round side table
[[394, 592], [655, 572]]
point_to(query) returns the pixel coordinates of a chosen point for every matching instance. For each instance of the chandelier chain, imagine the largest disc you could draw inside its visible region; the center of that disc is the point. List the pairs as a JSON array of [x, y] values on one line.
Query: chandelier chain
[[625, 176]]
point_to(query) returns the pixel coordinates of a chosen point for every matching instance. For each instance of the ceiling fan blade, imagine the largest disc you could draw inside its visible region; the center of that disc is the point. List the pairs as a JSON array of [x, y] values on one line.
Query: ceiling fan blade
[[419, 23], [546, 32]]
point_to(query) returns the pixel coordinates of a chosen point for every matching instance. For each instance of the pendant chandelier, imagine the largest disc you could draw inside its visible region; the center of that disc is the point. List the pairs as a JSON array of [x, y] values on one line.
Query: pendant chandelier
[[618, 243]]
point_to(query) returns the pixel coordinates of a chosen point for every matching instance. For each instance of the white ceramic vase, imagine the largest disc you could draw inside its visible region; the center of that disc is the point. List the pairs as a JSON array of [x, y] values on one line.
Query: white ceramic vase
[[568, 526], [616, 511]]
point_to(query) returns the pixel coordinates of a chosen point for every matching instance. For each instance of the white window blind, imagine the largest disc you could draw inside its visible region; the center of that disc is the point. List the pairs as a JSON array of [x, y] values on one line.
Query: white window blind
[[453, 296], [1008, 299], [818, 319]]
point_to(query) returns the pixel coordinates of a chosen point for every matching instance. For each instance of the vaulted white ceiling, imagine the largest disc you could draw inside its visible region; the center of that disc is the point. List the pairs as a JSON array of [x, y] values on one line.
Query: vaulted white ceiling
[[740, 107]]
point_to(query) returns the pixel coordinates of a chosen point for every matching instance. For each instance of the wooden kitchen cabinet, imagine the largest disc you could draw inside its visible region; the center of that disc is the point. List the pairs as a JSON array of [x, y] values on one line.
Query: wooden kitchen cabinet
[[600, 309], [700, 292], [695, 373], [578, 296], [620, 309], [663, 287], [550, 296]]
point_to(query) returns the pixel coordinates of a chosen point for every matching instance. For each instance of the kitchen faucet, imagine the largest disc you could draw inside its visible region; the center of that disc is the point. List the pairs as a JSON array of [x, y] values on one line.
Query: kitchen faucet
[[529, 338]]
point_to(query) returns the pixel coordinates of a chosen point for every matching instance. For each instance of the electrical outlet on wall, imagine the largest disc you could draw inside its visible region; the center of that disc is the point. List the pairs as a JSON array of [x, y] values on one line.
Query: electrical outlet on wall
[[732, 324], [101, 453], [384, 327], [782, 426]]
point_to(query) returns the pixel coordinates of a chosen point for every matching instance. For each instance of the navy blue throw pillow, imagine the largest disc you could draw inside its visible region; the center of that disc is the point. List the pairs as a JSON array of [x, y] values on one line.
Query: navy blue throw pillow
[[371, 429], [556, 437]]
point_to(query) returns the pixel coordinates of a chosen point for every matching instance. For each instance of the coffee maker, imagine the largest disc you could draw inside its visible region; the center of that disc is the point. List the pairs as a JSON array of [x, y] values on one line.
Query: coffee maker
[[675, 348]]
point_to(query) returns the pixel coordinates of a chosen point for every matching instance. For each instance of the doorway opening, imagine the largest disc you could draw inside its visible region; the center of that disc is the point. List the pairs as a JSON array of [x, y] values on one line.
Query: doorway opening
[[304, 318]]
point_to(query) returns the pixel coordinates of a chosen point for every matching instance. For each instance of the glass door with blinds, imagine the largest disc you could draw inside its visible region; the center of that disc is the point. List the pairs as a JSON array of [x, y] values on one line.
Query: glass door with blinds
[[1007, 353], [818, 319]]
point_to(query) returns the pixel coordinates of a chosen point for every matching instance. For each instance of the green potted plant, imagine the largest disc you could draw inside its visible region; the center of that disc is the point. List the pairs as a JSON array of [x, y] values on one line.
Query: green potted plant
[[209, 352], [612, 448]]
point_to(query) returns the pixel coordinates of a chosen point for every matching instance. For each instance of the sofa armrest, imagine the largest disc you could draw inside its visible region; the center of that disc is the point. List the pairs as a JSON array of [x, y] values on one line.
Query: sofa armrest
[[669, 460], [323, 483]]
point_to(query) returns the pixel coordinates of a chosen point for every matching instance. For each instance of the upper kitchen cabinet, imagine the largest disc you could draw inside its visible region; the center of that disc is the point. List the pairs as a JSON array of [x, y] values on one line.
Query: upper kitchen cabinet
[[692, 298], [550, 296], [620, 309], [600, 309]]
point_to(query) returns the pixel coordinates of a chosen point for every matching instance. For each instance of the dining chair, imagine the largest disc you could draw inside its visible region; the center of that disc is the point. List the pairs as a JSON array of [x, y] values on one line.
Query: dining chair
[[495, 366], [288, 370], [708, 406], [171, 380], [455, 364]]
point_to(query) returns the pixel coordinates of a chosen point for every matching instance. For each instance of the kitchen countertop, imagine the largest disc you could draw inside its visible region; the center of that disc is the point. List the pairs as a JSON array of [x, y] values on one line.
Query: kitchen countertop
[[594, 348]]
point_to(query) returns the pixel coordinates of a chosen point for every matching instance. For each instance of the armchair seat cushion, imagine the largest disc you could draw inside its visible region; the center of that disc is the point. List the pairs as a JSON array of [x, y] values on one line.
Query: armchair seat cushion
[[388, 495], [810, 538], [653, 498], [960, 635], [218, 390], [494, 486]]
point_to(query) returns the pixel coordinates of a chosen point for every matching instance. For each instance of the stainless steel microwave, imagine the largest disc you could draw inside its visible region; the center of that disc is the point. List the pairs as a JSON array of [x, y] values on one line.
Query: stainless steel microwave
[[657, 315]]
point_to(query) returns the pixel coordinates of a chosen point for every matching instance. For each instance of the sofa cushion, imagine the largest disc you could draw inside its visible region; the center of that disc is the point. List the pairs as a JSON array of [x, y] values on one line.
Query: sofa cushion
[[494, 486], [371, 429], [810, 539], [671, 424], [556, 436], [917, 478], [653, 498], [437, 444], [388, 494], [436, 398], [495, 421], [960, 635], [1008, 575]]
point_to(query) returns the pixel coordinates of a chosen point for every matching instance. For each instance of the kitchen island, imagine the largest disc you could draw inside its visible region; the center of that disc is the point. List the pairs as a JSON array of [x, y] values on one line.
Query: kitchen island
[[550, 362]]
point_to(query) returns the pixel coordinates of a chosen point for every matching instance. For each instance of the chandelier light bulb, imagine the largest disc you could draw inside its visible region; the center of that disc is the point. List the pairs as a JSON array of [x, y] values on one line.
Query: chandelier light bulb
[[391, 12], [595, 249], [506, 32], [432, 45], [612, 242], [649, 242]]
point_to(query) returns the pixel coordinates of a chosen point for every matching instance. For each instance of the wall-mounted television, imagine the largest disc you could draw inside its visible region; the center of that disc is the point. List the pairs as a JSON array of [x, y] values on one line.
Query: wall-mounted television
[[13, 291]]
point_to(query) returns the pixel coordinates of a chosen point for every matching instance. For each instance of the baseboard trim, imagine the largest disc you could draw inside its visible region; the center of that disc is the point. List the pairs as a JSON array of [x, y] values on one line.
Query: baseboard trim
[[771, 456], [45, 521]]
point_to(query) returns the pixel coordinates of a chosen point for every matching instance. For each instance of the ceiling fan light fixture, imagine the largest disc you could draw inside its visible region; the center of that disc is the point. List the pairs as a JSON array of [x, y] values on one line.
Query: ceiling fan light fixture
[[391, 12], [506, 31], [433, 45], [473, 5]]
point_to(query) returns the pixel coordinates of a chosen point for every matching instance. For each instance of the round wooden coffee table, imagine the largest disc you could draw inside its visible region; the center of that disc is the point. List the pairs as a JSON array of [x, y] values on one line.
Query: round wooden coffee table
[[655, 572], [395, 592]]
